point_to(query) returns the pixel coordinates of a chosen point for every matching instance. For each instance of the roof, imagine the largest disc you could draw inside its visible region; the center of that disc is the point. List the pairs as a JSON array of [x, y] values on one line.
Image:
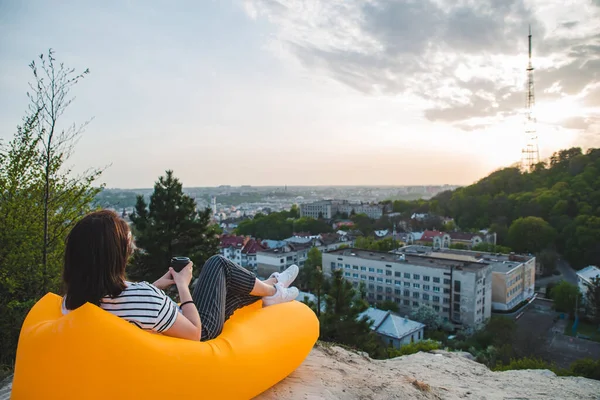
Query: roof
[[330, 238], [391, 325], [232, 241], [589, 272], [381, 233], [429, 235], [252, 246], [462, 235]]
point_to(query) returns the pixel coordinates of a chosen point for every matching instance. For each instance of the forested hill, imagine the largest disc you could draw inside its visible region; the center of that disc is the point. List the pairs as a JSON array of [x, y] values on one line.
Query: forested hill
[[565, 192]]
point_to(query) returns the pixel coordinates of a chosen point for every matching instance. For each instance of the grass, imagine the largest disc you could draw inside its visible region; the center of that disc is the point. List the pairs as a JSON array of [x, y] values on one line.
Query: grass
[[584, 328]]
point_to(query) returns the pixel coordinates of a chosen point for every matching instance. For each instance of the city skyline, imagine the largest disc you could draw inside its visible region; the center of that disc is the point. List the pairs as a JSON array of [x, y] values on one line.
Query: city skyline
[[309, 93]]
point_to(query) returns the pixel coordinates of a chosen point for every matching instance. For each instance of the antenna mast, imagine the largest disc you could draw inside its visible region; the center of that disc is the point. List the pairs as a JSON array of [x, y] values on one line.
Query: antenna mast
[[531, 152]]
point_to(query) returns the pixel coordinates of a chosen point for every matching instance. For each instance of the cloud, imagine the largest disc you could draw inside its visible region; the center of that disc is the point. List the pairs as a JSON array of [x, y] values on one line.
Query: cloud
[[465, 59]]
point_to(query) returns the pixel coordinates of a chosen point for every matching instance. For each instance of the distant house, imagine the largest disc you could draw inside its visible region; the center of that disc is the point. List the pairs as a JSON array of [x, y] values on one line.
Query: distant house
[[241, 250], [278, 259], [249, 251], [394, 330], [584, 278]]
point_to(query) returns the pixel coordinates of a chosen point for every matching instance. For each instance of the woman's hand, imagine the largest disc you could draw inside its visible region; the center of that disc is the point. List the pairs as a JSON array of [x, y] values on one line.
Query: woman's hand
[[165, 281], [183, 277]]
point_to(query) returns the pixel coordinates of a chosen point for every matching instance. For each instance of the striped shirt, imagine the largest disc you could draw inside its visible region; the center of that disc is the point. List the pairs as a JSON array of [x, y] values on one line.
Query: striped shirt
[[143, 305]]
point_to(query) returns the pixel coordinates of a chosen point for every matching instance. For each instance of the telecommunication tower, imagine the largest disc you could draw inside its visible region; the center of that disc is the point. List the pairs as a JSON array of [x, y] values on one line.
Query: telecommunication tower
[[531, 152]]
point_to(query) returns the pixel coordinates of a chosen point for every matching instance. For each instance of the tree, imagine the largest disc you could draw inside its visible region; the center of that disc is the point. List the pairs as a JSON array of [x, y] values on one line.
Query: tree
[[170, 226], [491, 248], [295, 211], [430, 318], [547, 259], [592, 300], [387, 305], [531, 234], [40, 198], [340, 322], [311, 276], [566, 296]]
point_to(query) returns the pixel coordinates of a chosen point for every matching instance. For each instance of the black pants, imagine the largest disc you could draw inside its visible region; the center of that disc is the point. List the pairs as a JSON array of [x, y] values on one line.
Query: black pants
[[222, 287]]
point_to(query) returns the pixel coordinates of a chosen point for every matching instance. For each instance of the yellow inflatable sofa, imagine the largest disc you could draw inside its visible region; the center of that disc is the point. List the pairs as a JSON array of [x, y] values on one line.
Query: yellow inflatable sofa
[[92, 354]]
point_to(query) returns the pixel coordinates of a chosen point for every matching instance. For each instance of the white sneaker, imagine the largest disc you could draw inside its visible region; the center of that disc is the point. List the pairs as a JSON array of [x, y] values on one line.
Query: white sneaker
[[286, 277], [282, 295]]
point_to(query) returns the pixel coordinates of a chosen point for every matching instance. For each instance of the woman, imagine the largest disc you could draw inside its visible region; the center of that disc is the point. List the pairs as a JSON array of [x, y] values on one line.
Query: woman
[[96, 254]]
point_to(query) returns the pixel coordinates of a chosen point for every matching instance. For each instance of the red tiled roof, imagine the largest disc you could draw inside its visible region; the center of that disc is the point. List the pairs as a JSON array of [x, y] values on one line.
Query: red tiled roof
[[232, 241], [462, 235], [252, 246], [429, 235]]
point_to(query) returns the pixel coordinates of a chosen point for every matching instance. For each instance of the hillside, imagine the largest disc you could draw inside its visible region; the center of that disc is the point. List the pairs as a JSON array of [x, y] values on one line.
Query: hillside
[[565, 192]]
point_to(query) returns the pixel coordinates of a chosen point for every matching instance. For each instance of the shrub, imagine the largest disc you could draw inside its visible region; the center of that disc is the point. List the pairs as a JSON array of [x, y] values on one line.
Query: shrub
[[412, 348]]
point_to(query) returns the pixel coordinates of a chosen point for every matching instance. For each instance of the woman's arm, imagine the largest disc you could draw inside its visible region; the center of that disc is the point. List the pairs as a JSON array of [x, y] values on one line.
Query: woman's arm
[[188, 325]]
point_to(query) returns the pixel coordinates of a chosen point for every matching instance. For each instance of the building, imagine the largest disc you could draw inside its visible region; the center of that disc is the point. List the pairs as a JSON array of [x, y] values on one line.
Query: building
[[394, 330], [443, 240], [513, 279], [327, 209], [459, 290], [278, 259], [241, 250], [585, 277]]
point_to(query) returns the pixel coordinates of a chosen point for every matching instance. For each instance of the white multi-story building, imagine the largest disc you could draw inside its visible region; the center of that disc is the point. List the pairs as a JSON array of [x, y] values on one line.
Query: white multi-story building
[[460, 291], [241, 250], [584, 279], [328, 208], [278, 259], [513, 279]]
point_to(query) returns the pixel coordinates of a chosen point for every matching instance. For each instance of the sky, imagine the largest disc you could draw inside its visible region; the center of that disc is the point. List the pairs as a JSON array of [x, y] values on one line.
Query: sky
[[309, 92]]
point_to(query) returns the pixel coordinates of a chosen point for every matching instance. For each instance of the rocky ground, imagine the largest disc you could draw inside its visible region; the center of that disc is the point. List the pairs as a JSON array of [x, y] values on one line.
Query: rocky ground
[[331, 372]]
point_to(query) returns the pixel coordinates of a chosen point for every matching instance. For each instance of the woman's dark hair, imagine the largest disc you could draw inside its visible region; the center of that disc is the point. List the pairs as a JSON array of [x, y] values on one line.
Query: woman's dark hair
[[96, 254]]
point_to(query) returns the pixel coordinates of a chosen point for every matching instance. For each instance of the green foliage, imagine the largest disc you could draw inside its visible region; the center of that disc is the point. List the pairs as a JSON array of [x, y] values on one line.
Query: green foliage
[[412, 348], [565, 193], [430, 318], [369, 243], [40, 199], [387, 305], [586, 367], [491, 248], [281, 225], [548, 259], [459, 246], [311, 278], [169, 227], [565, 296], [531, 234], [340, 323], [524, 363]]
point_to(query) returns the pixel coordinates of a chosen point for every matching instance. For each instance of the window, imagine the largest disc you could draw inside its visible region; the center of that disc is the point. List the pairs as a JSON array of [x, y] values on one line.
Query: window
[[379, 271], [340, 265], [425, 296], [446, 290], [388, 281], [407, 275], [371, 278], [347, 266], [446, 281], [406, 284], [388, 265], [446, 300], [456, 307], [371, 286], [416, 295], [416, 276], [388, 290], [446, 309], [333, 265], [379, 297], [416, 285], [397, 292], [436, 280], [425, 287], [397, 283], [379, 279], [389, 298], [388, 272], [436, 289], [371, 269], [457, 286], [363, 277], [363, 268], [355, 267], [406, 302], [457, 297], [397, 274], [436, 308], [426, 278], [346, 273], [436, 299], [355, 275], [371, 295], [415, 304], [380, 288], [407, 293], [420, 335], [398, 301]]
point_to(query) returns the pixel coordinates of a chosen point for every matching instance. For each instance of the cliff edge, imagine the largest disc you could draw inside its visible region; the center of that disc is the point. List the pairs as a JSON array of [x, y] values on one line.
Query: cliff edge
[[331, 372]]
